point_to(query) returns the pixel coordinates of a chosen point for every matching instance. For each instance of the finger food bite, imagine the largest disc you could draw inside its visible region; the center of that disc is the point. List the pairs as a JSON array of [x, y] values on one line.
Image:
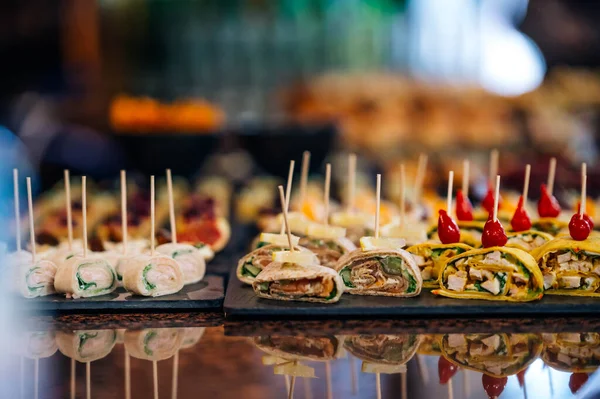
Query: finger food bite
[[253, 263], [383, 353], [572, 352], [153, 276], [431, 257]]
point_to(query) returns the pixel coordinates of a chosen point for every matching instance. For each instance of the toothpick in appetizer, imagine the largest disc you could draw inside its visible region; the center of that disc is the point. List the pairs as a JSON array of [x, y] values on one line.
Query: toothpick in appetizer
[[83, 276], [489, 199], [153, 274], [548, 207], [20, 256], [522, 236], [298, 220], [431, 257], [189, 258], [380, 266], [294, 275], [328, 243], [495, 272], [36, 277], [571, 265]]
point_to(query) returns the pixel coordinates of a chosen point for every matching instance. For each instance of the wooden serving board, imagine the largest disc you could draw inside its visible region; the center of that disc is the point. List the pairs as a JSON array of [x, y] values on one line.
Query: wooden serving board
[[241, 303], [205, 295]]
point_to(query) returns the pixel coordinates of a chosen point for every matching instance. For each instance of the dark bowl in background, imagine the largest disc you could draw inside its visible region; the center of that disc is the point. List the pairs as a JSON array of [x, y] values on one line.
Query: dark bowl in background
[[272, 148]]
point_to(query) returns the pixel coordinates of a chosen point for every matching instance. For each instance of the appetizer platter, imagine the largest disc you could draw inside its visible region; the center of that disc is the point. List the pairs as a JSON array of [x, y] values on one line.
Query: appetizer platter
[[502, 264], [131, 274]]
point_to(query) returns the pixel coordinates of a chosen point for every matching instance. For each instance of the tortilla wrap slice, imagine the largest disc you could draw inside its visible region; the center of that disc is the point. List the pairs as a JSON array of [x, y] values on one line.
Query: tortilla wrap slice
[[250, 265], [315, 348], [552, 226], [431, 257], [328, 251], [496, 355], [383, 349], [384, 272], [430, 344], [572, 352], [527, 240], [36, 279], [494, 274], [470, 232], [570, 267], [293, 282], [86, 345], [80, 277], [152, 276], [191, 261]]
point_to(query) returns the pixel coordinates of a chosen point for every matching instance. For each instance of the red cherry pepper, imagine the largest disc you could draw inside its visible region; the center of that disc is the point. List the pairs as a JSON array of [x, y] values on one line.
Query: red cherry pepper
[[521, 377], [488, 201], [548, 206], [493, 234], [493, 386], [446, 370], [448, 230], [586, 216], [464, 209], [579, 228], [520, 220], [576, 381]]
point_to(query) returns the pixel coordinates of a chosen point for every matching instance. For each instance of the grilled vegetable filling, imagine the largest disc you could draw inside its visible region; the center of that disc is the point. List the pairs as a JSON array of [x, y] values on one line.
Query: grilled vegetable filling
[[430, 260], [322, 347], [526, 242], [388, 274], [493, 273], [327, 251], [259, 260], [322, 287], [571, 270]]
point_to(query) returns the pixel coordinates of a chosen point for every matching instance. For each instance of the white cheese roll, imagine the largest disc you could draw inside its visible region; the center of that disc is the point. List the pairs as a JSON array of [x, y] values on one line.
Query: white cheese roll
[[193, 265], [153, 275], [80, 277], [36, 279]]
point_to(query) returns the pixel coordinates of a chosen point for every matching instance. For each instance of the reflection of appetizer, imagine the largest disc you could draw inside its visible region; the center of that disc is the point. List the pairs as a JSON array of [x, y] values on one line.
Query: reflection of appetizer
[[327, 242], [191, 336], [315, 348], [430, 345], [153, 344], [382, 353], [153, 275], [496, 355], [431, 257], [38, 344], [86, 345], [574, 352]]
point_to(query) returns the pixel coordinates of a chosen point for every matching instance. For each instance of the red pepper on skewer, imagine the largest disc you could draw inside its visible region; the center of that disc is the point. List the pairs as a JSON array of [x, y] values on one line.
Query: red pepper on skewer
[[488, 200], [446, 370], [493, 386], [576, 381], [464, 209], [493, 234], [520, 220], [448, 230], [548, 206], [579, 228]]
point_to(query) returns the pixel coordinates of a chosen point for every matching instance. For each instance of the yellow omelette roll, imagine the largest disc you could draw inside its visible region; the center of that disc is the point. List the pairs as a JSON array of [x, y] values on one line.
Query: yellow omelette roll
[[431, 257], [495, 274]]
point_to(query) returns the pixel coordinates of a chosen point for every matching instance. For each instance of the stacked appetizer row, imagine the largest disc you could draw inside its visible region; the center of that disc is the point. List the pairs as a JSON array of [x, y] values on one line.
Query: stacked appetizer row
[[466, 260], [140, 266]]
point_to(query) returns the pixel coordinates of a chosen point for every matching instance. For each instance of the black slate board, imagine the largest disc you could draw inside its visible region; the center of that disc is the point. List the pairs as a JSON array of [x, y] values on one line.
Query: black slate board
[[207, 294], [240, 302]]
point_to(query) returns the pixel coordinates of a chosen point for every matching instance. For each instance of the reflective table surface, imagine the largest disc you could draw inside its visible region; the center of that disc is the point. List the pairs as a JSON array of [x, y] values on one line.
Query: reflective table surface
[[202, 356]]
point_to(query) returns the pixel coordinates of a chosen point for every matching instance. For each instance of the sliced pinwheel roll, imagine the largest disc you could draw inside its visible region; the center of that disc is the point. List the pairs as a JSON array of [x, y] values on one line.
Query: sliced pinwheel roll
[[496, 355], [86, 345], [495, 273], [572, 352], [153, 344], [34, 280], [80, 277], [193, 265], [153, 275], [431, 257], [527, 240], [253, 263], [570, 267]]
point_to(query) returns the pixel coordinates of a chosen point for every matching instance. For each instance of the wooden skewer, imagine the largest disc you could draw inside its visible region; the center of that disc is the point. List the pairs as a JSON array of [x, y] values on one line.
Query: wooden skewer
[[73, 378], [496, 196], [327, 188], [288, 192], [402, 194], [88, 380], [292, 386], [36, 377], [304, 177], [171, 207], [127, 375], [124, 211], [84, 214], [378, 385], [465, 179], [351, 182], [328, 380], [420, 177], [583, 191], [526, 184], [175, 382], [69, 208], [17, 211], [377, 205], [31, 228], [494, 155], [285, 218], [551, 175], [449, 195], [155, 378], [152, 217]]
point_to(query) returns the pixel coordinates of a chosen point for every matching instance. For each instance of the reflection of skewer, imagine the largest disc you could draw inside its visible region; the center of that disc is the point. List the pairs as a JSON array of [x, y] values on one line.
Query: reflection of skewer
[[287, 383], [307, 388], [328, 377], [292, 385], [378, 385], [88, 380], [353, 375], [175, 375], [22, 367], [466, 385], [155, 378], [404, 385], [127, 375], [73, 378], [423, 370], [36, 377], [550, 382], [524, 388], [450, 390]]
